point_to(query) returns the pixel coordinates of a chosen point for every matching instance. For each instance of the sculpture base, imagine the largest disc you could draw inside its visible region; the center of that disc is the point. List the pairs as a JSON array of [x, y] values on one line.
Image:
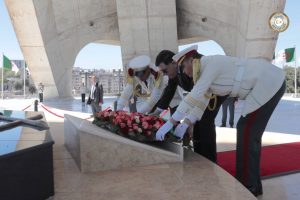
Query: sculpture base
[[95, 149]]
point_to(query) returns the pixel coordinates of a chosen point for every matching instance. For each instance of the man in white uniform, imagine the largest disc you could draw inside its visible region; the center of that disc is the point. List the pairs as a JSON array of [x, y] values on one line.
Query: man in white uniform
[[256, 81], [144, 81]]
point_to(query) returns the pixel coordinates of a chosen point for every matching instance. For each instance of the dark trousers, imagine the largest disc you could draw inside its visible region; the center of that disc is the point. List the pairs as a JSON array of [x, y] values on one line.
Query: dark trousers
[[204, 135], [249, 133], [172, 110], [228, 103], [82, 97], [41, 97], [132, 106], [95, 107]]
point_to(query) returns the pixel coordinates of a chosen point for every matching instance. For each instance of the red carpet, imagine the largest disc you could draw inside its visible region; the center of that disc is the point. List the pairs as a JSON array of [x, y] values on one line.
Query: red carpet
[[276, 160]]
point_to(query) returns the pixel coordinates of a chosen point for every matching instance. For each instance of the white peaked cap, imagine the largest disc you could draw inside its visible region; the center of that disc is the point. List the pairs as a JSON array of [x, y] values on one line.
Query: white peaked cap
[[139, 63], [184, 52]]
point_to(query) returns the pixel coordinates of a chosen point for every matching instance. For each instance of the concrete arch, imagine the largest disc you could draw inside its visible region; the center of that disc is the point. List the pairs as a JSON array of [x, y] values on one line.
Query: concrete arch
[[92, 46], [202, 44], [91, 54], [240, 27], [51, 33], [75, 25]]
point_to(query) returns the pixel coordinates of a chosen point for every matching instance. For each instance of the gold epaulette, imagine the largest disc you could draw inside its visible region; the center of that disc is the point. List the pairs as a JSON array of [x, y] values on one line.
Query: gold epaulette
[[158, 79], [130, 79], [196, 70]]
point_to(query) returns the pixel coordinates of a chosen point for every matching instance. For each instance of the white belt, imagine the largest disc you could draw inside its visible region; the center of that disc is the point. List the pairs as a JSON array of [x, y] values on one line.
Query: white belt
[[238, 79]]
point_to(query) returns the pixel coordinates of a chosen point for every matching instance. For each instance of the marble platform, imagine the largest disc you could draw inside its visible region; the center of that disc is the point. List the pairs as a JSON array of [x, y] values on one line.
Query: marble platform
[[95, 149], [195, 178]]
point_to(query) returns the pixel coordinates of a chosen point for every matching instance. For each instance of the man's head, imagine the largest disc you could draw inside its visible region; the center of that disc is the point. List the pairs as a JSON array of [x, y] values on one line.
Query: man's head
[[165, 62], [93, 79], [185, 58], [139, 67]]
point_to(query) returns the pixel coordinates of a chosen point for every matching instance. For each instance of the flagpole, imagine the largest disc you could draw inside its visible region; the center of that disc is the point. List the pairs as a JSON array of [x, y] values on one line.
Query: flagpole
[[295, 72], [2, 75], [24, 77]]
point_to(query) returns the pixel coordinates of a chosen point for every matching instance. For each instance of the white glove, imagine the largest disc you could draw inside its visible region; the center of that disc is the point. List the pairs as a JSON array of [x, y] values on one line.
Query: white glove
[[144, 108], [181, 130], [160, 134]]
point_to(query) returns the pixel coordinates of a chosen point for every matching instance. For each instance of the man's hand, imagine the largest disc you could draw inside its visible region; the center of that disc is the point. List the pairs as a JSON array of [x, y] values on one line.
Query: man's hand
[[185, 127], [160, 134], [181, 130], [132, 100]]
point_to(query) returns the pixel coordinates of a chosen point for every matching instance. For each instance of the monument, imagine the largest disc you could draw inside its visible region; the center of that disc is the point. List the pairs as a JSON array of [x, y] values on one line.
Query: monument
[[52, 33]]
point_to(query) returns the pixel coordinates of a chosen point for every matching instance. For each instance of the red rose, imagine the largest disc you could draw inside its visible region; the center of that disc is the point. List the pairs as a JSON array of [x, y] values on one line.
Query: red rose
[[145, 125], [149, 133], [122, 125]]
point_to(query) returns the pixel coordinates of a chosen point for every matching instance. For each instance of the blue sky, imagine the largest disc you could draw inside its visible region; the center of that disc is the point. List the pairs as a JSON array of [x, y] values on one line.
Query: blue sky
[[110, 56]]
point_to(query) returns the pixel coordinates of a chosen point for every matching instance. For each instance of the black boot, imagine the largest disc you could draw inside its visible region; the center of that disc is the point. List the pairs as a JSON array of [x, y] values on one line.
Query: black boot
[[256, 191]]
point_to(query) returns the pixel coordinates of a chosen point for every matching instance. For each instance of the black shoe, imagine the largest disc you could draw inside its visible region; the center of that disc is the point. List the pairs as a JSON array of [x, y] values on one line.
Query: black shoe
[[223, 125], [256, 191], [231, 126]]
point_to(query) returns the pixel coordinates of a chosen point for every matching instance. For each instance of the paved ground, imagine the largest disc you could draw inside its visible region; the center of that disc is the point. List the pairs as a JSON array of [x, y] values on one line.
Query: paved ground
[[283, 127]]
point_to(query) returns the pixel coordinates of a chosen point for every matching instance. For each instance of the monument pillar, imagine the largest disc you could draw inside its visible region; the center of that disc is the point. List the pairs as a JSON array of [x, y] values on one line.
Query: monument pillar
[[146, 27]]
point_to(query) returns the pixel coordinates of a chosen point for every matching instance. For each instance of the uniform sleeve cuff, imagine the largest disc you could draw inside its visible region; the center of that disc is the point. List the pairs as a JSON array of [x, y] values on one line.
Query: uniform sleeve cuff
[[178, 116], [197, 113], [159, 109], [192, 118]]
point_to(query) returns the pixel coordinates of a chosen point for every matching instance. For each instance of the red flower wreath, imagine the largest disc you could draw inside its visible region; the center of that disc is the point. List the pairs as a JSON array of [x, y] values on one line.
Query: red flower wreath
[[136, 126]]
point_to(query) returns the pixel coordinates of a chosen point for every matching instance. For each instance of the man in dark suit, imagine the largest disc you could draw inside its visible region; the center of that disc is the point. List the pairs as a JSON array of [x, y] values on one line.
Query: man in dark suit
[[96, 96], [41, 92], [228, 103], [204, 132]]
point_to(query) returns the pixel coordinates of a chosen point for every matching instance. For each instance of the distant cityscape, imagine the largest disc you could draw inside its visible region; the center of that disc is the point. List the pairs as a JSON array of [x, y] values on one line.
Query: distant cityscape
[[111, 80]]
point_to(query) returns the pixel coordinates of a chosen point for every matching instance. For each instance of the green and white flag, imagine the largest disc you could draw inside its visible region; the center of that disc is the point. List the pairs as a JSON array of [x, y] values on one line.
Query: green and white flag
[[14, 67], [279, 58], [290, 54], [6, 64]]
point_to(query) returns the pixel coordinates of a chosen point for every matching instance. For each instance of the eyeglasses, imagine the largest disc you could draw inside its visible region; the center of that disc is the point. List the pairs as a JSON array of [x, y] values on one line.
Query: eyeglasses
[[139, 73]]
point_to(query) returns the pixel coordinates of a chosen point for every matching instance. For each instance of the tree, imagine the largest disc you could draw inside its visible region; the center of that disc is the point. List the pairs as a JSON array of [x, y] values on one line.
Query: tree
[[18, 85], [290, 79]]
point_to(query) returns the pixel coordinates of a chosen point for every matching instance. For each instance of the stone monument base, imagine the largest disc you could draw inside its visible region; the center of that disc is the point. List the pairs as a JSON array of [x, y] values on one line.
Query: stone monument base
[[95, 149]]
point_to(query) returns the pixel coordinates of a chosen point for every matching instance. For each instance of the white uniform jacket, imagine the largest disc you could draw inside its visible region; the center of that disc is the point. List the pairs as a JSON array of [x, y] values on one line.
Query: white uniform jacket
[[254, 80], [147, 102]]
